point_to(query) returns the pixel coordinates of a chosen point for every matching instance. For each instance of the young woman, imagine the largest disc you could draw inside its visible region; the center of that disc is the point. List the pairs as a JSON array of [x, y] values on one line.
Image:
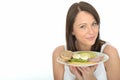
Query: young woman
[[82, 34]]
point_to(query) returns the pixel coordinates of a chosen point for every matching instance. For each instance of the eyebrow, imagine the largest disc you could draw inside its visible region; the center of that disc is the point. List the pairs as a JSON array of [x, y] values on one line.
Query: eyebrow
[[80, 24], [84, 23]]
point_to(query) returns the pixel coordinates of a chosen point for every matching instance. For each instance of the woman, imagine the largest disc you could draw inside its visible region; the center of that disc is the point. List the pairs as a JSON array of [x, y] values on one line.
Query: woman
[[82, 34]]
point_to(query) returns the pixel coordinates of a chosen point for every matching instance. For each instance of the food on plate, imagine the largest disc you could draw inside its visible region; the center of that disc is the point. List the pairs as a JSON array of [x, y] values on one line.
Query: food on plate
[[96, 59], [66, 55], [82, 56], [79, 56]]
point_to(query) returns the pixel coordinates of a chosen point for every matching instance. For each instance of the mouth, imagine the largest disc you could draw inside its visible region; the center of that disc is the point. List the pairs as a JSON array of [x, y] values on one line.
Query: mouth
[[91, 38]]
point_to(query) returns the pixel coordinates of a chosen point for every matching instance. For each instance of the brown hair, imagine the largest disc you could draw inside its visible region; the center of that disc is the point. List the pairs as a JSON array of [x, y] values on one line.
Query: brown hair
[[71, 15]]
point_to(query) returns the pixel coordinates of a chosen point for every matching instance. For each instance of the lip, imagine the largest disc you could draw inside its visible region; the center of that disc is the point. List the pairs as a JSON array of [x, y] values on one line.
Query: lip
[[90, 38]]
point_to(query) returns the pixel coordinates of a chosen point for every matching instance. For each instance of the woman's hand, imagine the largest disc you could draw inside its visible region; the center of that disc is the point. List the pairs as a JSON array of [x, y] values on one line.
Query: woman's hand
[[76, 72], [84, 73], [88, 72]]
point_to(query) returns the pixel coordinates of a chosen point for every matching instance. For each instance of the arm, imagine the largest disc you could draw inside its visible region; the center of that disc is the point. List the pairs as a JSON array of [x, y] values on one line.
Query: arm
[[113, 64], [58, 69]]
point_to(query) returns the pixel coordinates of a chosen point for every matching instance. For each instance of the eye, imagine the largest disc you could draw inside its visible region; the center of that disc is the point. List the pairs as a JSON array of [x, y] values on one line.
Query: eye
[[83, 26], [94, 24]]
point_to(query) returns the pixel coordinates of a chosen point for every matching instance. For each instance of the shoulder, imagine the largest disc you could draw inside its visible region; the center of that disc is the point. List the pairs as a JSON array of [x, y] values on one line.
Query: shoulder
[[58, 50], [58, 69], [113, 63], [110, 50]]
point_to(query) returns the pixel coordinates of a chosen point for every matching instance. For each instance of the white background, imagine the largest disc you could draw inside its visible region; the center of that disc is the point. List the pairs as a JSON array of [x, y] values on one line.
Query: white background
[[31, 29]]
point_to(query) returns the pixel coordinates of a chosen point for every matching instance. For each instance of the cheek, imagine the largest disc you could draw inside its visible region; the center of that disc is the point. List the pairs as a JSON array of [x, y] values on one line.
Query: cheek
[[97, 31], [80, 35]]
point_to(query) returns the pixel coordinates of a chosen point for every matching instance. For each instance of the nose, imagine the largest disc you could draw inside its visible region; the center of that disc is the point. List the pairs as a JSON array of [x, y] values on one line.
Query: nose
[[90, 30]]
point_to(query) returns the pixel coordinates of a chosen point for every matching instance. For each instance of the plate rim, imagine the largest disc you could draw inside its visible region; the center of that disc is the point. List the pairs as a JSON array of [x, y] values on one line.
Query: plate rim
[[106, 57]]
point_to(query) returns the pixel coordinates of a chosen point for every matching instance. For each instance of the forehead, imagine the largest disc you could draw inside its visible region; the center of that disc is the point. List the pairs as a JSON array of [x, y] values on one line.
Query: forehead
[[84, 16]]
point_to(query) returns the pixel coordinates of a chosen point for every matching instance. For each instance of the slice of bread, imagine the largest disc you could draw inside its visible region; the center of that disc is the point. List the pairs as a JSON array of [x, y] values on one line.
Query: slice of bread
[[66, 55]]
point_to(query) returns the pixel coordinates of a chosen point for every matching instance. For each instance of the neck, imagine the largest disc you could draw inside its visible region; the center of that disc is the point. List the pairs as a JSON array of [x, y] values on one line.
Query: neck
[[82, 47]]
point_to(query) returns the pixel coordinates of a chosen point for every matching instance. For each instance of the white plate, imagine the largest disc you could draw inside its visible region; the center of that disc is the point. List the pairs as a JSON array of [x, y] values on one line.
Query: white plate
[[106, 57]]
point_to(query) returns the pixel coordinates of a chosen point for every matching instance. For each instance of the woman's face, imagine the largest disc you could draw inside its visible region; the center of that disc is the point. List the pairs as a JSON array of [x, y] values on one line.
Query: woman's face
[[85, 28]]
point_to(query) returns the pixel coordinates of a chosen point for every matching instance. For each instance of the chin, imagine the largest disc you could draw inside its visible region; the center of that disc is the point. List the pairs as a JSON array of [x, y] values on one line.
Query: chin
[[91, 43]]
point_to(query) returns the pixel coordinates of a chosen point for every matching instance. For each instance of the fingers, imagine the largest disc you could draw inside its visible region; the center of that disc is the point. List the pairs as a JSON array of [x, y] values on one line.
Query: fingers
[[93, 68], [84, 73], [88, 72], [87, 69], [76, 72]]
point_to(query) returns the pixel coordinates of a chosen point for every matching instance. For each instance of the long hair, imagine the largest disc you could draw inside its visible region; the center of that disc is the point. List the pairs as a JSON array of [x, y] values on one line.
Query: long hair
[[70, 19]]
